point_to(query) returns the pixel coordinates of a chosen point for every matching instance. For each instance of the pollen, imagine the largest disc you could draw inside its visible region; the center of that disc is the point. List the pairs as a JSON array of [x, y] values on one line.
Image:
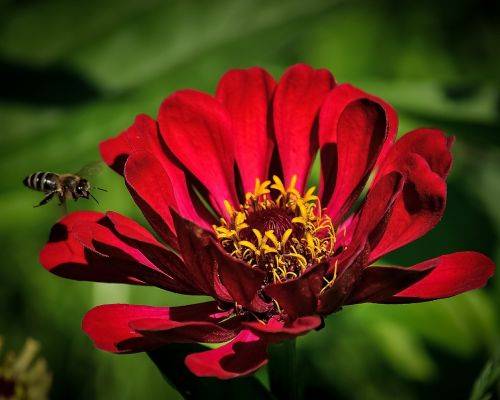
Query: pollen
[[278, 230]]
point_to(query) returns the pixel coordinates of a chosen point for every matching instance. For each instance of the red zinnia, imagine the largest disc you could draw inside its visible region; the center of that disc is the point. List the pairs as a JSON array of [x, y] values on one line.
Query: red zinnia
[[273, 259]]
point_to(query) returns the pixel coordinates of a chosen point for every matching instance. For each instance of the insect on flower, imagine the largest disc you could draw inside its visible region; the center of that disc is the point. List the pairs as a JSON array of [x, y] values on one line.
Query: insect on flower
[[278, 256]]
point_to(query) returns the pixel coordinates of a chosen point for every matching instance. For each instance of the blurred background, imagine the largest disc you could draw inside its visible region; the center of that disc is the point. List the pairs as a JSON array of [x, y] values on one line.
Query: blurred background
[[75, 73]]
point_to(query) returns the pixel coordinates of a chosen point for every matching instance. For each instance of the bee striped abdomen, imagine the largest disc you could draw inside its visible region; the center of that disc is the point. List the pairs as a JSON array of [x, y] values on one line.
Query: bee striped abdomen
[[41, 181]]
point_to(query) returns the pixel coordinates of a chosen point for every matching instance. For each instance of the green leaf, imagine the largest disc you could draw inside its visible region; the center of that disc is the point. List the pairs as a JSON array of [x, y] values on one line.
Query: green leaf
[[484, 384]]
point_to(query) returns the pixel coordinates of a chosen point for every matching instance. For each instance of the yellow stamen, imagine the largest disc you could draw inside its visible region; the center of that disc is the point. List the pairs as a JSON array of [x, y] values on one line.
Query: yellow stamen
[[284, 252]]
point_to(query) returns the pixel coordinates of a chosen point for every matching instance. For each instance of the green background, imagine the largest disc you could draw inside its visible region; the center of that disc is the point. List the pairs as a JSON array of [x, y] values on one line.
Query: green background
[[75, 73]]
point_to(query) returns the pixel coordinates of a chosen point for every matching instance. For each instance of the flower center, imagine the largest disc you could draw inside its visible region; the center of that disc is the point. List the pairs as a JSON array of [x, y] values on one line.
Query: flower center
[[283, 234]]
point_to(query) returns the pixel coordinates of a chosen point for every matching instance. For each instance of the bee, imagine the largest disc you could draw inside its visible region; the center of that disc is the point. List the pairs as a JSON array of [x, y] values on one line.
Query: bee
[[64, 186]]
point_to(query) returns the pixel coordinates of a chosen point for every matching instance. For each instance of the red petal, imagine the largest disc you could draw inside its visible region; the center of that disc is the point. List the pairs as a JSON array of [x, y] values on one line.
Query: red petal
[[136, 236], [203, 323], [196, 128], [242, 356], [141, 135], [299, 297], [278, 331], [64, 254], [452, 274], [376, 208], [196, 248], [350, 265], [361, 132], [132, 258], [298, 97], [246, 94], [380, 283], [241, 281], [152, 190], [417, 209], [111, 326], [431, 144], [335, 103]]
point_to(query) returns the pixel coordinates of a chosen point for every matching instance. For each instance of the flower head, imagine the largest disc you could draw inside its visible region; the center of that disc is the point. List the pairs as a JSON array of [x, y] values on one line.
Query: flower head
[[224, 183]]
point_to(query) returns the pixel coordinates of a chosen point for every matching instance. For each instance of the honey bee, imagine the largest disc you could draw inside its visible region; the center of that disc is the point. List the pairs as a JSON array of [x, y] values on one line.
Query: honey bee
[[64, 186]]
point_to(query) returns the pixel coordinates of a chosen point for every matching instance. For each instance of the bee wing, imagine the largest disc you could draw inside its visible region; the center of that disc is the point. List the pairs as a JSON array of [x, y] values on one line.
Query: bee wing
[[91, 169]]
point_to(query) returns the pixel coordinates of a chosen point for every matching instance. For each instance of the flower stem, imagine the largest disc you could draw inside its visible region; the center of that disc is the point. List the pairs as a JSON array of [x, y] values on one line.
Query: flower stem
[[283, 370]]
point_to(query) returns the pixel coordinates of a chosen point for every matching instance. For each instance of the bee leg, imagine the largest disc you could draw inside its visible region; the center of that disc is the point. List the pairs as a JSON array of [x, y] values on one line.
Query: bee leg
[[46, 199], [61, 198]]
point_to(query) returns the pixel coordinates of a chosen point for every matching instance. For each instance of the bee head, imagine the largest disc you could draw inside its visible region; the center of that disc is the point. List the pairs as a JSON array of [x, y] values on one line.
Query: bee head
[[83, 188]]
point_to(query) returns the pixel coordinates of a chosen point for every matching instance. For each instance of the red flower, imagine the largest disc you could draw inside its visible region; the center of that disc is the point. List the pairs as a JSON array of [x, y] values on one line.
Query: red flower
[[274, 260]]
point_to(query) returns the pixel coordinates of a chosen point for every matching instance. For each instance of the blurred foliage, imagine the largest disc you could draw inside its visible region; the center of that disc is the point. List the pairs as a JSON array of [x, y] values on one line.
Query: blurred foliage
[[74, 73], [487, 384], [23, 376]]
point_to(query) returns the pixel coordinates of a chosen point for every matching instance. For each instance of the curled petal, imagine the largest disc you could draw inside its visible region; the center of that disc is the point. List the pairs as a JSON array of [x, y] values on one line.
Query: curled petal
[[335, 105], [124, 328], [431, 144], [243, 355], [298, 98], [361, 132], [450, 275], [246, 95], [417, 208]]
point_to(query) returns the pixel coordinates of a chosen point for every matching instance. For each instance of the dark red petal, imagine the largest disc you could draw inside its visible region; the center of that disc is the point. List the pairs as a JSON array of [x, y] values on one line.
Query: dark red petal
[[196, 248], [299, 297], [417, 209], [138, 237], [333, 107], [452, 274], [130, 259], [431, 144], [197, 130], [110, 326], [64, 254], [377, 207], [246, 95], [379, 283], [241, 281], [299, 95], [152, 190], [190, 324], [242, 356], [361, 134], [141, 135], [350, 264], [277, 331]]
